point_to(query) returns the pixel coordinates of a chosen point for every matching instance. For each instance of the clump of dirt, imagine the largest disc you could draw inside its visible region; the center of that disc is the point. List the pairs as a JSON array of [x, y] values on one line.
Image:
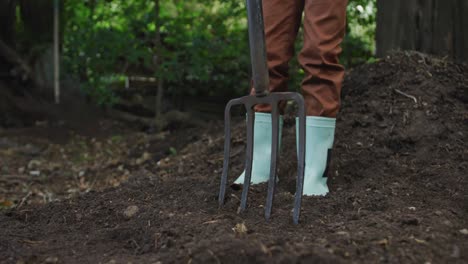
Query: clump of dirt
[[398, 190]]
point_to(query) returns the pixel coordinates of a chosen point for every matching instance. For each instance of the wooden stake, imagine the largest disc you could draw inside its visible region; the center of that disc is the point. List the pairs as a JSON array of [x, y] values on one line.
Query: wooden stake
[[158, 62], [56, 52]]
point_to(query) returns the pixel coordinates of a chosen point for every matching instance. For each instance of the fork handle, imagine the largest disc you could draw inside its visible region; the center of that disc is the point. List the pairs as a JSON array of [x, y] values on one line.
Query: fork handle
[[257, 47]]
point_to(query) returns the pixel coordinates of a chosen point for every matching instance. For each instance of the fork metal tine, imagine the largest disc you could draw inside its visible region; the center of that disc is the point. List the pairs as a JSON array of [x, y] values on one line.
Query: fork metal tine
[[249, 158], [227, 152], [227, 147], [273, 161], [301, 160]]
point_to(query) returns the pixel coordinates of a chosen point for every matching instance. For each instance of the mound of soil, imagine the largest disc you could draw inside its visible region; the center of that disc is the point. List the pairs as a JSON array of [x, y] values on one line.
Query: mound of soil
[[398, 190]]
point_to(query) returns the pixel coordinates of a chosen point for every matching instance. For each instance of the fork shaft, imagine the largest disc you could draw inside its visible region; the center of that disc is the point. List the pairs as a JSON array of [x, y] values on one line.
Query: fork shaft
[[249, 157], [257, 47]]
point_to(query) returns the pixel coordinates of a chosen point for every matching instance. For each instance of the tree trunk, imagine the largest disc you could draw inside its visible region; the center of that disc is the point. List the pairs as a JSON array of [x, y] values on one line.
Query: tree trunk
[[8, 21], [56, 52], [37, 46], [431, 26]]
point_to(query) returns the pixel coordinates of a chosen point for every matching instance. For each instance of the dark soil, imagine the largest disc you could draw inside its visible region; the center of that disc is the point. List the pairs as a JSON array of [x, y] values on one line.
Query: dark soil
[[398, 190]]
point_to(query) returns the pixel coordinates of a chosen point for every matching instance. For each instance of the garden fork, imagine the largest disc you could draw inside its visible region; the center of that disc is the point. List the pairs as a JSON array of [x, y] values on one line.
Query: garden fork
[[262, 96]]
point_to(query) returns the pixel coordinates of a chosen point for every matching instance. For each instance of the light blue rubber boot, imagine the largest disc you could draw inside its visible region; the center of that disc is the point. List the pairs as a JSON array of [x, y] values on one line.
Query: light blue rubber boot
[[320, 134], [261, 148]]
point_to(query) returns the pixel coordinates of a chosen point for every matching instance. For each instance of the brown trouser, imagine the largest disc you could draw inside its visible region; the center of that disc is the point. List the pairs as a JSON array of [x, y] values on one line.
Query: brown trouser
[[324, 29]]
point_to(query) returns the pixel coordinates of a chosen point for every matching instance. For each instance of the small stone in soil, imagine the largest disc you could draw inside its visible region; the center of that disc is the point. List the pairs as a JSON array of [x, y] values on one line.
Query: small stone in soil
[[34, 164], [240, 229], [144, 158], [131, 211], [35, 173], [51, 260]]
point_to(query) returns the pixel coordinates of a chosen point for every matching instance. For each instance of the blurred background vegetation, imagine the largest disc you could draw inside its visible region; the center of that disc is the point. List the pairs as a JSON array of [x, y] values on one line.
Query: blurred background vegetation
[[204, 47], [147, 56]]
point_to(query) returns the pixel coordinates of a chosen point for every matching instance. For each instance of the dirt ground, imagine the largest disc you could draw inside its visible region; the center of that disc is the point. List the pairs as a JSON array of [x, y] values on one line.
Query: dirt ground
[[398, 185]]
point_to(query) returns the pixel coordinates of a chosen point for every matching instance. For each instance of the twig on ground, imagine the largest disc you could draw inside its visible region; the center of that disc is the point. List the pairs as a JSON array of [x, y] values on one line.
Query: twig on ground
[[31, 242], [5, 178], [235, 197], [407, 95], [23, 200], [211, 222]]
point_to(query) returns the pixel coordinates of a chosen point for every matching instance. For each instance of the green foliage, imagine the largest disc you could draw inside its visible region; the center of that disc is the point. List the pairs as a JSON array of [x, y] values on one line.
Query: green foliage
[[205, 47], [359, 43], [172, 151], [204, 44], [98, 36]]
